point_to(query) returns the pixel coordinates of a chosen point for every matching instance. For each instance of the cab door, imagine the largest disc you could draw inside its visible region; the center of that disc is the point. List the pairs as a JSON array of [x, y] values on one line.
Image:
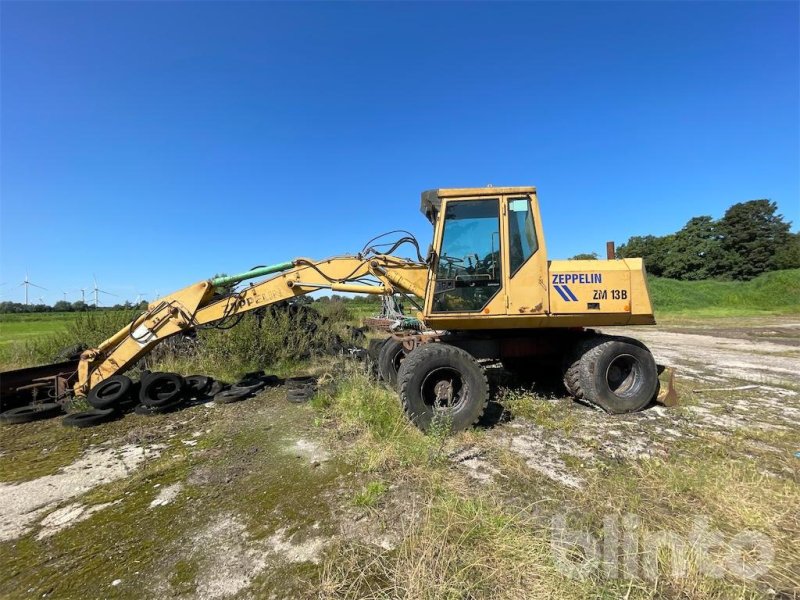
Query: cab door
[[525, 257], [468, 274]]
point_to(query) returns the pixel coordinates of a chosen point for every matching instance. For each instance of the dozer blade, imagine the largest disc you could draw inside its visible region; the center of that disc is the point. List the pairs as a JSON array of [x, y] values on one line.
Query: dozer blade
[[46, 383], [668, 395]]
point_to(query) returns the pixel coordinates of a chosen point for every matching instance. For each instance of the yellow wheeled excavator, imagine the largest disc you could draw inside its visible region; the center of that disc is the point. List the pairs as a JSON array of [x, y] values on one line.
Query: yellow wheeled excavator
[[486, 293]]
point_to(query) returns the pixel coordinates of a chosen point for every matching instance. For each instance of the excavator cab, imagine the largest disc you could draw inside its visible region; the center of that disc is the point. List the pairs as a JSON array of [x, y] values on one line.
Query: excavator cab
[[489, 269], [489, 256]]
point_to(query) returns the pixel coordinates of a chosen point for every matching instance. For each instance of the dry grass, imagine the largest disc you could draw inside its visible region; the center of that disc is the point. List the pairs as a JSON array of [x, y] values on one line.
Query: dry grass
[[495, 540]]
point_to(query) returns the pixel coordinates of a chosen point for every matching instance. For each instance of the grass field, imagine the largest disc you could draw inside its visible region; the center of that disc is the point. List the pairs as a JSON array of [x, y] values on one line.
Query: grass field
[[771, 293], [26, 326]]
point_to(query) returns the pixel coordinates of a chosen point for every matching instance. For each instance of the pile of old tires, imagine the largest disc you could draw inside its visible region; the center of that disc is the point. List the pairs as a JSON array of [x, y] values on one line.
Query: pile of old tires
[[161, 392], [301, 389], [158, 393]]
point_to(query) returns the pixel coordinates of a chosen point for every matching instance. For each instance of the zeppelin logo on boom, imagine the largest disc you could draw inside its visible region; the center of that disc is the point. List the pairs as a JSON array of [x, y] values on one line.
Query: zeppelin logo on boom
[[561, 281]]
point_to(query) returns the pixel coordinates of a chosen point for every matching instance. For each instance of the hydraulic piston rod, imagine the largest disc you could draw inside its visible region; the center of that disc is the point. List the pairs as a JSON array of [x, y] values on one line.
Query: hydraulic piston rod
[[258, 272]]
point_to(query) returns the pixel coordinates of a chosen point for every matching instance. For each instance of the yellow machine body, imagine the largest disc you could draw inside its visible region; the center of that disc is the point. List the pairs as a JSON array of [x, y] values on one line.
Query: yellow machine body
[[496, 273]]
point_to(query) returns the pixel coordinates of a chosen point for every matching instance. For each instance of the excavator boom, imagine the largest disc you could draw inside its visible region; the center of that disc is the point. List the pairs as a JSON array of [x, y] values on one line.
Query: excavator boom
[[201, 304]]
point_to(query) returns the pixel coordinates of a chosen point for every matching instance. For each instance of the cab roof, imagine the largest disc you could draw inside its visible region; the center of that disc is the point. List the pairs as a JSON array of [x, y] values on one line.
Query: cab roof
[[432, 199]]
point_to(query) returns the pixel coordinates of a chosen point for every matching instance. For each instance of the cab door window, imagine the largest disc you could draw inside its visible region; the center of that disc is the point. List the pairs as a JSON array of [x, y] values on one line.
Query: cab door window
[[522, 242], [468, 272]]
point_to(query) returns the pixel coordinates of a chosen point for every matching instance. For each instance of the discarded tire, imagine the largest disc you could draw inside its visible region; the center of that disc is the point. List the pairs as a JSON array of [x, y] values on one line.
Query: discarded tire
[[198, 385], [216, 388], [70, 352], [271, 380], [231, 395], [160, 389], [298, 396], [618, 374], [142, 409], [90, 418], [110, 392], [301, 381], [27, 414], [438, 380], [251, 386], [374, 348], [390, 357]]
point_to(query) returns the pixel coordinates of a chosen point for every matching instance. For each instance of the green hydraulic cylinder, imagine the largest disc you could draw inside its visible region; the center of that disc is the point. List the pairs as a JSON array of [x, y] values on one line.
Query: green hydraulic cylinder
[[229, 279]]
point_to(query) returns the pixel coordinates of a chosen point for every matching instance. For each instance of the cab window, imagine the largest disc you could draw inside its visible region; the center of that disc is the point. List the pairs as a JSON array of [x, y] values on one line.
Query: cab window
[[522, 242], [468, 272]]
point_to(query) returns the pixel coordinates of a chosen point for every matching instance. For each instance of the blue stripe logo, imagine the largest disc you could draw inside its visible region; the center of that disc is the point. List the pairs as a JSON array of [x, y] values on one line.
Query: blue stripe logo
[[566, 293]]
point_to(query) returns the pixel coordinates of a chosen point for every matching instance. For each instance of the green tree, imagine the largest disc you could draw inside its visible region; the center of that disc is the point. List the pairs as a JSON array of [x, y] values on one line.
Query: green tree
[[653, 249], [585, 256], [788, 255], [752, 234], [696, 251]]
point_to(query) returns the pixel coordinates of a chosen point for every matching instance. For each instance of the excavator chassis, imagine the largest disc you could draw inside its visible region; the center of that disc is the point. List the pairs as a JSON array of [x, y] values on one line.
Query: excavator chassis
[[46, 383]]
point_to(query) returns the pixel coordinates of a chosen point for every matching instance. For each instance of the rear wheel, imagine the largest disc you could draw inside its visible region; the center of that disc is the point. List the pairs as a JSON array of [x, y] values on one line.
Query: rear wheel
[[441, 381], [617, 374], [391, 356]]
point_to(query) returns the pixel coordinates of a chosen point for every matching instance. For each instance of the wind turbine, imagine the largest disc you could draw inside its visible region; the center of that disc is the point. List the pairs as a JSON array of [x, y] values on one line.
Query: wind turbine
[[97, 292], [83, 295], [140, 296], [27, 284]]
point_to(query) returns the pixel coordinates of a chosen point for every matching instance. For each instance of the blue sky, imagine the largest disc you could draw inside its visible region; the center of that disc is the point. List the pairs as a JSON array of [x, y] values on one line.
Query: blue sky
[[155, 144]]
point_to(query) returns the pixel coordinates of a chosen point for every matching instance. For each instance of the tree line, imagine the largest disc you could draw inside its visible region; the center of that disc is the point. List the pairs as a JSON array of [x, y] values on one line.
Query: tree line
[[64, 306], [751, 238]]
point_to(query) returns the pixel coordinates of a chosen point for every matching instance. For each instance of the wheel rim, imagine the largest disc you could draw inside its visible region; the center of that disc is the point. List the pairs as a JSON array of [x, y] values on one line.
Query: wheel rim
[[398, 358], [624, 375], [444, 389]]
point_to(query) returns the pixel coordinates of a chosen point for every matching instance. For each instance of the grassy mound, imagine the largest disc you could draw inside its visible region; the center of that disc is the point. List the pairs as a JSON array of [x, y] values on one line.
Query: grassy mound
[[771, 293]]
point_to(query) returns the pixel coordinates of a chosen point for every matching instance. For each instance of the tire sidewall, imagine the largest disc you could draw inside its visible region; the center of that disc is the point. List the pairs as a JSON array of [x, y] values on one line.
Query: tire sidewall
[[422, 414], [389, 356], [111, 400], [646, 389], [152, 380]]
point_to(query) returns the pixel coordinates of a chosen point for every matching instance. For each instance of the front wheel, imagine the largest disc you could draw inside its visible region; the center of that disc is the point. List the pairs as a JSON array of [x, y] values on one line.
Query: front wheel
[[441, 381], [617, 374]]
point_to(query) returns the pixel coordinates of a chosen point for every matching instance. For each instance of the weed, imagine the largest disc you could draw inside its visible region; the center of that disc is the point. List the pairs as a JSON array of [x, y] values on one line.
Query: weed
[[371, 494], [548, 413]]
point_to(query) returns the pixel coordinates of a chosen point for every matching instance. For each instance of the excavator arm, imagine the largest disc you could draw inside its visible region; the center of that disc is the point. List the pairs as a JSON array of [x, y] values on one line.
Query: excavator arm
[[201, 303]]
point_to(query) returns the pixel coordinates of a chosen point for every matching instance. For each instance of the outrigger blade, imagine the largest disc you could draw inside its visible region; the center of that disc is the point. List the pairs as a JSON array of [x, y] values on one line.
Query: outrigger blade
[[668, 395]]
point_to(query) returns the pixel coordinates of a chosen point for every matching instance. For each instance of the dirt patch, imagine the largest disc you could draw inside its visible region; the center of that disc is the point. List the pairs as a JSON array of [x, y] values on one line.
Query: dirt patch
[[166, 495], [228, 561], [309, 550], [310, 449], [68, 515], [21, 504], [715, 356]]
